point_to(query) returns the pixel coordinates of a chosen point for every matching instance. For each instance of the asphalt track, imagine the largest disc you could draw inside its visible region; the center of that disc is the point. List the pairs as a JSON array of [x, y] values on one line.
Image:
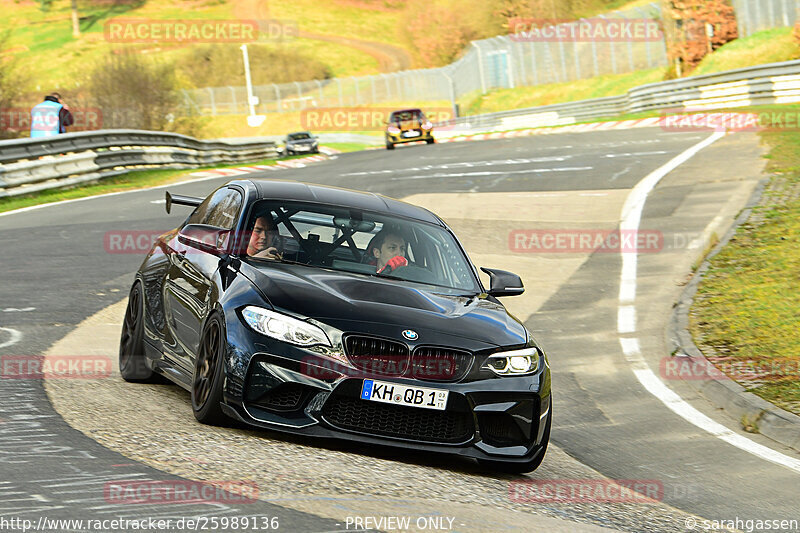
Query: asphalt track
[[56, 273]]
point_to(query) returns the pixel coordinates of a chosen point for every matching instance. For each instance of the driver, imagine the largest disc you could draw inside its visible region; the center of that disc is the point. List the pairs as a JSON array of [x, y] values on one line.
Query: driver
[[389, 250], [264, 241]]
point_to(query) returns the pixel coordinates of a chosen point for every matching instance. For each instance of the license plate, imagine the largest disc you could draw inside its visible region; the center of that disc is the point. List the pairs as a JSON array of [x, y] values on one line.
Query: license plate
[[394, 393], [412, 133]]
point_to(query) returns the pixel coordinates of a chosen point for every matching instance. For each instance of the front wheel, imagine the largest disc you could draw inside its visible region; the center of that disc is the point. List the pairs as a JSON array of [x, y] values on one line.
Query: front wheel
[[509, 467], [389, 145], [132, 365], [208, 376], [430, 141]]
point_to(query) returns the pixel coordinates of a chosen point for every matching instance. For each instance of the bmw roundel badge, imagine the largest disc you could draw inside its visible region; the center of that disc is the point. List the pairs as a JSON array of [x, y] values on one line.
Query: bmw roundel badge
[[410, 334]]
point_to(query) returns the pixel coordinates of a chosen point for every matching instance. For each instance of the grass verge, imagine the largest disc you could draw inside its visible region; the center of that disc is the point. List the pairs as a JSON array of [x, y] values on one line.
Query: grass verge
[[745, 313]]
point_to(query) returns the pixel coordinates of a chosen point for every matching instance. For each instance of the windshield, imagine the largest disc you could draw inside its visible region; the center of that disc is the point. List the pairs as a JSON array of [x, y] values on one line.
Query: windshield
[[414, 114], [299, 136], [362, 242]]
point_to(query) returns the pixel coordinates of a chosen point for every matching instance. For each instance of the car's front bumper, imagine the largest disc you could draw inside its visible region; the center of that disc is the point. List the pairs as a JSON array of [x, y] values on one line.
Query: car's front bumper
[[495, 418], [398, 138]]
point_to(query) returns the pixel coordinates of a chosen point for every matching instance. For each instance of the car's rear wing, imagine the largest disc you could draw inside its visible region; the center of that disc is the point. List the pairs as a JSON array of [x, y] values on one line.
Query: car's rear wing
[[182, 200]]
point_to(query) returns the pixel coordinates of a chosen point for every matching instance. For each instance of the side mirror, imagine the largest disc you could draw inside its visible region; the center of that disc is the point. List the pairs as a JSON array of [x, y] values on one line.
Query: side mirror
[[209, 239], [504, 283]]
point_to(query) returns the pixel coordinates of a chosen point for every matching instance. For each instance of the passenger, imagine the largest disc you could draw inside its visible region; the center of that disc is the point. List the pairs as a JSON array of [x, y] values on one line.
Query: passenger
[[265, 240], [388, 248]]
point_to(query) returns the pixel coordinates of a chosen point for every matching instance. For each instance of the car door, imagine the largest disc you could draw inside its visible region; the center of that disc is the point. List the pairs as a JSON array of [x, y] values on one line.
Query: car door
[[189, 283]]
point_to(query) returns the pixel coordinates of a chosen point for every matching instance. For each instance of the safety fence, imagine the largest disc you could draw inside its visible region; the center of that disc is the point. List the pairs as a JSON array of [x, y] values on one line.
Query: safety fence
[[506, 61], [757, 15], [774, 83]]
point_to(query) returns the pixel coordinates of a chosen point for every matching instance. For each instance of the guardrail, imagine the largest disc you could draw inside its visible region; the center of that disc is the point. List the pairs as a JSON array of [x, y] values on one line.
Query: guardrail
[[774, 83], [32, 165]]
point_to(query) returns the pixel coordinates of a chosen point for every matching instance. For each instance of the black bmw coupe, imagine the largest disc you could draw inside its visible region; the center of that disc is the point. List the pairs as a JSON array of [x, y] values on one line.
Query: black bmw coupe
[[335, 313]]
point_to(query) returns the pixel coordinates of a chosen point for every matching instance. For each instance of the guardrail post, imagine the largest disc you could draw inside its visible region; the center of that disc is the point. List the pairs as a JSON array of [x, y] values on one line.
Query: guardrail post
[[358, 94], [643, 14], [523, 75], [480, 66], [299, 95], [509, 61], [612, 50], [277, 98], [534, 66], [400, 93], [563, 59], [771, 13], [339, 84], [630, 56], [321, 97], [552, 61], [211, 99], [235, 106], [372, 83], [575, 54], [452, 93]]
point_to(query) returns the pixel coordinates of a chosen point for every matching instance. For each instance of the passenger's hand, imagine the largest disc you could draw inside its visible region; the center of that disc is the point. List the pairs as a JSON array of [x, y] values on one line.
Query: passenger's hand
[[393, 264], [268, 253]]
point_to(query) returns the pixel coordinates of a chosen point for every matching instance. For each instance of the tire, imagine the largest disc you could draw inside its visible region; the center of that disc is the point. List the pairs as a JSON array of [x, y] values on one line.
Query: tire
[[132, 365], [509, 467], [430, 141], [207, 377], [389, 145]]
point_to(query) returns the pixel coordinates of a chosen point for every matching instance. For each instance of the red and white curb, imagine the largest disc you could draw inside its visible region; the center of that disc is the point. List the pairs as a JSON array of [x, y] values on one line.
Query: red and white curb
[[548, 130], [279, 165], [577, 128], [678, 122]]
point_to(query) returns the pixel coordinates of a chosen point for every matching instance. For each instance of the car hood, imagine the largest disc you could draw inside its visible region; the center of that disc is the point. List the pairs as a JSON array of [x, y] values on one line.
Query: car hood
[[358, 303]]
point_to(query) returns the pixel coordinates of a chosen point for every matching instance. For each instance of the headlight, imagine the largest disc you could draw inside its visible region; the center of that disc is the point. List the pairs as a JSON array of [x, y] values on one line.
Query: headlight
[[427, 126], [284, 328], [393, 130], [514, 362]]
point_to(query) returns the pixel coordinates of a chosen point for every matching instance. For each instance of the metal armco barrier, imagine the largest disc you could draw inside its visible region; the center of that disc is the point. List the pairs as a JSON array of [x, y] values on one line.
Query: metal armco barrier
[[774, 83], [32, 165]]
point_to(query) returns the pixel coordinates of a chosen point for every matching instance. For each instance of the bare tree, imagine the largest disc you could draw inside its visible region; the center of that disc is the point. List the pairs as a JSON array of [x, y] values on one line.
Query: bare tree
[[13, 82], [134, 92], [76, 29]]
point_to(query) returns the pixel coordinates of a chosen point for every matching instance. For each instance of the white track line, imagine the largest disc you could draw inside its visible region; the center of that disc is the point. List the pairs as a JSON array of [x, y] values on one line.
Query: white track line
[[626, 322], [15, 335]]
